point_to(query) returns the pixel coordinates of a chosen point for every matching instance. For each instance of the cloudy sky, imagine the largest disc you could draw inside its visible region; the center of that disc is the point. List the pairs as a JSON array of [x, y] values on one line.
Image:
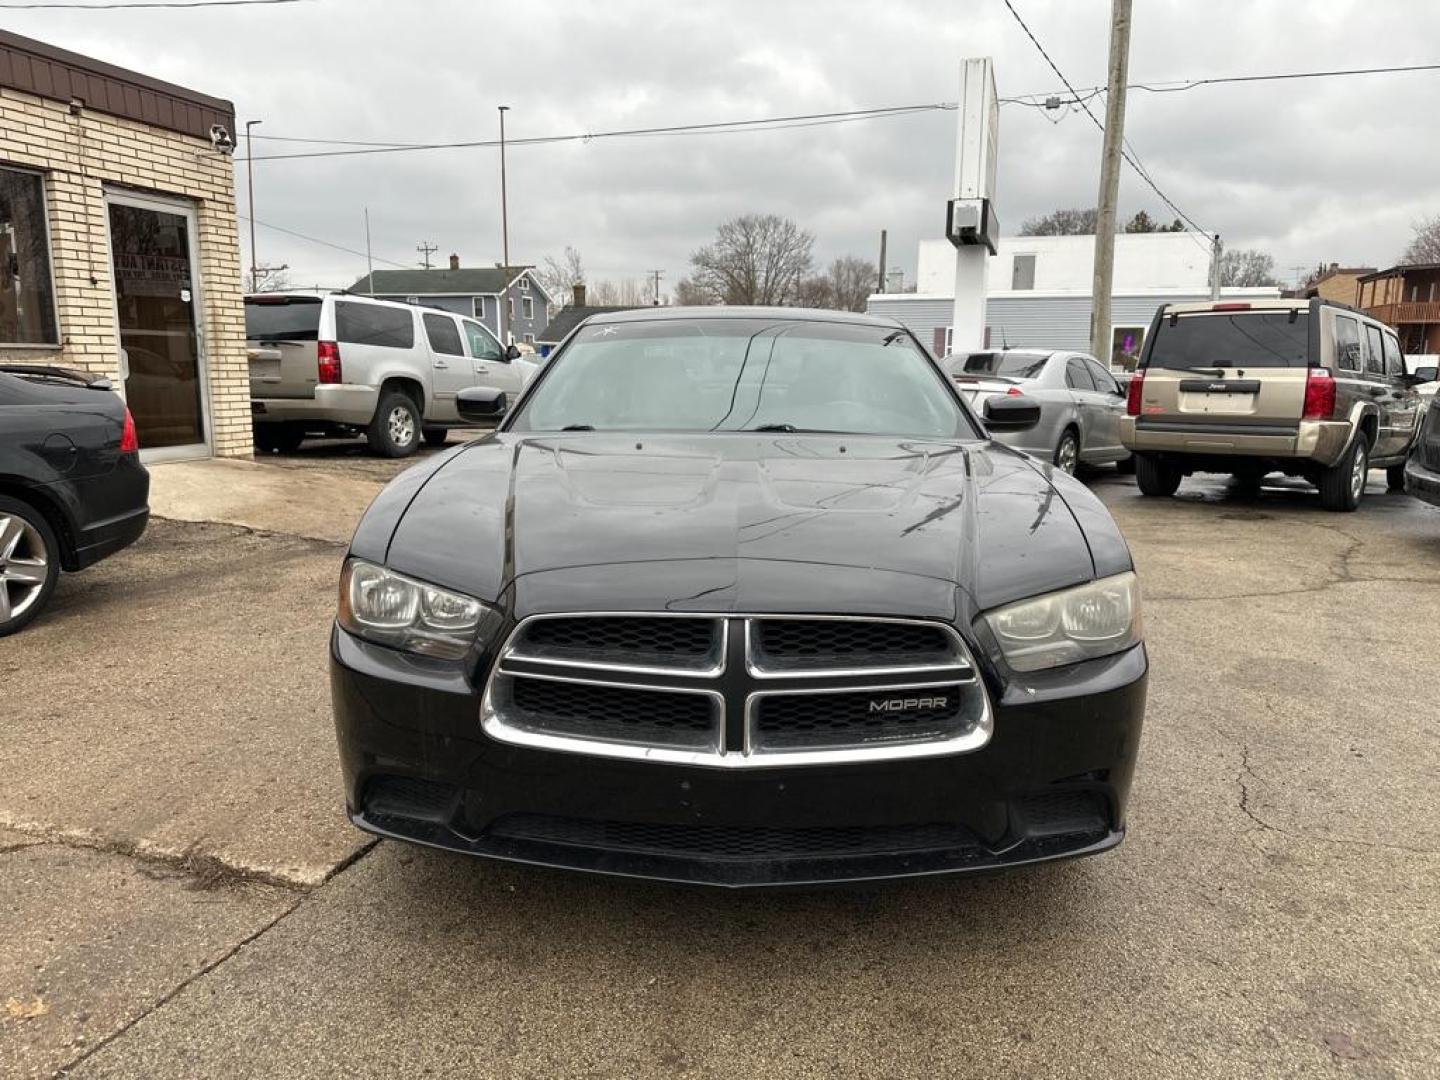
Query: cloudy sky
[[1319, 170]]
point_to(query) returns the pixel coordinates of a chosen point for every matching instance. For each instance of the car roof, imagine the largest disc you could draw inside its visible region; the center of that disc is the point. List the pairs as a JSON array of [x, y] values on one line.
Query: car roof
[[791, 314]]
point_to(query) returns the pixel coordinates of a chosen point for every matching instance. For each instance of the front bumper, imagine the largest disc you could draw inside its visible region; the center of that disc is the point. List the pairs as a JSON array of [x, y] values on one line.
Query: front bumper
[[1052, 782], [1322, 441], [1421, 482], [338, 403]]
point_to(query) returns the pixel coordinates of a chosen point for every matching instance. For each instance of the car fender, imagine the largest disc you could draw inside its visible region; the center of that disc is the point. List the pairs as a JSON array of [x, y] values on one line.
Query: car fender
[[410, 375]]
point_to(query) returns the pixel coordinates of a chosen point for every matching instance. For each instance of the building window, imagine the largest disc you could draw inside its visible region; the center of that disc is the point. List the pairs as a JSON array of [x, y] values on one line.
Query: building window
[[509, 309], [527, 307], [1022, 272], [480, 307], [27, 298], [529, 339], [524, 284]]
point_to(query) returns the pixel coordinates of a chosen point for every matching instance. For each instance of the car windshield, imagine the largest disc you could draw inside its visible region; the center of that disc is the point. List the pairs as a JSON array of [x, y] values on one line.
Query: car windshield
[[1249, 339], [1006, 365], [282, 318], [744, 375]]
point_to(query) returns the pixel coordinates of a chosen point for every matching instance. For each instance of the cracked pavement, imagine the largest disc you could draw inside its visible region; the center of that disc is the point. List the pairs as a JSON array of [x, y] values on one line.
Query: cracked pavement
[[182, 896]]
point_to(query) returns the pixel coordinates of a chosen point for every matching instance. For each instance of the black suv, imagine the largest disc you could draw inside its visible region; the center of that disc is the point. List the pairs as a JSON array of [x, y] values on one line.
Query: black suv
[[741, 597], [1422, 471], [72, 489]]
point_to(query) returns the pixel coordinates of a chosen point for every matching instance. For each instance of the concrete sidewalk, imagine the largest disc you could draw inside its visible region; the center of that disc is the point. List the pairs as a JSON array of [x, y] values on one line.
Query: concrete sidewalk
[[315, 504]]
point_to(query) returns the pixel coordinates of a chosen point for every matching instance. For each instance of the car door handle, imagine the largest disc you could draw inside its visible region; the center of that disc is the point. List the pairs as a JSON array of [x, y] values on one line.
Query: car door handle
[[481, 369], [441, 364]]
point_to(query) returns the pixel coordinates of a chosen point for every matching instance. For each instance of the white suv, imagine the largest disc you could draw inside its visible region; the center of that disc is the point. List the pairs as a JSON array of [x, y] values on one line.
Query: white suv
[[324, 363]]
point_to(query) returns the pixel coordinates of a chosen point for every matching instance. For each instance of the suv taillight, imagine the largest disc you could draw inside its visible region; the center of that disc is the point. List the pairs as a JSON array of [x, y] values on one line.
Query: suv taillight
[[1132, 394], [1319, 394], [328, 355], [129, 440]]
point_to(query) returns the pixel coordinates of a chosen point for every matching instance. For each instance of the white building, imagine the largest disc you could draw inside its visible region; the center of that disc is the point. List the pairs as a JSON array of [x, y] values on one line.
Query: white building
[[1039, 289]]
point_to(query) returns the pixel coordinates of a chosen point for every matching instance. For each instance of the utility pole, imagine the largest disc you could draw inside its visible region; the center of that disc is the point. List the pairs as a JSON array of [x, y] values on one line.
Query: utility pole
[[1215, 267], [504, 231], [657, 275], [426, 250], [880, 287], [369, 260], [1101, 346], [250, 190]]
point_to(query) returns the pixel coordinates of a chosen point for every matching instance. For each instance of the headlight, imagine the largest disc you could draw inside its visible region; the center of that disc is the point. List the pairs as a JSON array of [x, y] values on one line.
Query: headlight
[[391, 609], [1097, 619]]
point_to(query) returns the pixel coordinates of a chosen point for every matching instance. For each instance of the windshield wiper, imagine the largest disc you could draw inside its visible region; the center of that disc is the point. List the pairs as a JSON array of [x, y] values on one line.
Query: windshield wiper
[[578, 427], [791, 429]]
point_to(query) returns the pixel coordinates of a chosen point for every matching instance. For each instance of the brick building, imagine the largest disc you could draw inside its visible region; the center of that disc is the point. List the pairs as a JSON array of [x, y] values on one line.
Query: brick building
[[118, 245], [1337, 283]]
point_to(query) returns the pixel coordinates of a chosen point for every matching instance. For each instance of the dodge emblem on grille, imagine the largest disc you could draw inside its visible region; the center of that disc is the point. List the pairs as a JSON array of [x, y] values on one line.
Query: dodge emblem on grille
[[907, 704]]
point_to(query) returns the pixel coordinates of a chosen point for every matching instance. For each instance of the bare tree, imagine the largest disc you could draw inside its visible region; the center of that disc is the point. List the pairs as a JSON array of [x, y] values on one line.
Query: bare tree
[[559, 276], [627, 292], [1077, 222], [1425, 246], [755, 259], [271, 279], [816, 291], [688, 294], [1247, 267], [852, 280]]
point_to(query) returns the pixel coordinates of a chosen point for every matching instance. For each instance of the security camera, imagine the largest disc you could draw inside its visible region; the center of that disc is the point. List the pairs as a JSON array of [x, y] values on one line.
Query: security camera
[[220, 139]]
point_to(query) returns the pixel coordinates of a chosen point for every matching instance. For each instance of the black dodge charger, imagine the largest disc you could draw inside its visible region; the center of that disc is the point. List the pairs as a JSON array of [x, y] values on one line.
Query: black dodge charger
[[741, 597]]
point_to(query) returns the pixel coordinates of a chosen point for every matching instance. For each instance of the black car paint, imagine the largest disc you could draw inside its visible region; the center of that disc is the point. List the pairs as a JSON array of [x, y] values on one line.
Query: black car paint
[[738, 522], [60, 452]]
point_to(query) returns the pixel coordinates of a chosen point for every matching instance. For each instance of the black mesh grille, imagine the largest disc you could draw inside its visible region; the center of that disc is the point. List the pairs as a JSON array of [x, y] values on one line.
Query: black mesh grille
[[407, 797], [623, 639], [796, 644], [732, 842], [863, 717], [606, 712], [1062, 811]]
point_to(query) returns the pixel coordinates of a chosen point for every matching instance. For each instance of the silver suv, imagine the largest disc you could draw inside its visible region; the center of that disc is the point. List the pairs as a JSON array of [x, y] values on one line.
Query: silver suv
[[328, 363], [1309, 388]]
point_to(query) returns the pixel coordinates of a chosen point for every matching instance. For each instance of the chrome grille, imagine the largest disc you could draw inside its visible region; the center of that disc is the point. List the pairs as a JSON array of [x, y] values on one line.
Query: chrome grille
[[736, 691], [859, 718]]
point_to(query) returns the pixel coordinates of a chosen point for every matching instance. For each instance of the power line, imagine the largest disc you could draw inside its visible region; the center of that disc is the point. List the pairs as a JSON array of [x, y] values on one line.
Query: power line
[[42, 5], [1174, 86], [1083, 105], [768, 123], [322, 243]]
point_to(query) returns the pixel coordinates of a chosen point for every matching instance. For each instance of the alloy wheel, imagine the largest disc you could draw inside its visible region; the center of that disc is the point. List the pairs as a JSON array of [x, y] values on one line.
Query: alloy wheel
[[401, 424], [24, 567], [1359, 473], [1068, 455]]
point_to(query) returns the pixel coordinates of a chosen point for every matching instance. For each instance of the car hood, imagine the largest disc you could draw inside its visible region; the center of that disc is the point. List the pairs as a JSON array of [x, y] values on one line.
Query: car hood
[[738, 522]]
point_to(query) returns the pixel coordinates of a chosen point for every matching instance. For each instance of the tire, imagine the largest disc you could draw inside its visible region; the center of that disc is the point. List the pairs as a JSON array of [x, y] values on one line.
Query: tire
[[435, 436], [1126, 465], [395, 431], [1395, 478], [1343, 484], [29, 564], [1067, 452], [278, 438], [1156, 477]]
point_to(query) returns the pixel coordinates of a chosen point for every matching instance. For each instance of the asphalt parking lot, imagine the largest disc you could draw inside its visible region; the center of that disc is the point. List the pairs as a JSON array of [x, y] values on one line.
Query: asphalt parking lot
[[182, 896]]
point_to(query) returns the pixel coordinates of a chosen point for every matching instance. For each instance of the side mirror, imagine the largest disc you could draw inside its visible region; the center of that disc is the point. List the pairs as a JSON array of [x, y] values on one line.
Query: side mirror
[[477, 403], [1011, 413], [512, 352], [1422, 375]]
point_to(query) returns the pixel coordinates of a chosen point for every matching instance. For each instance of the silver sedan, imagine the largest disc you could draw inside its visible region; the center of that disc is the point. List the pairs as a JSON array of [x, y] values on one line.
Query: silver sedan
[[1080, 402]]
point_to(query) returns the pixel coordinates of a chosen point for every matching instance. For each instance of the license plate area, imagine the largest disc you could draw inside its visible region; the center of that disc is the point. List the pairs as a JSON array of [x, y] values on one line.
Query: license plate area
[[1220, 397]]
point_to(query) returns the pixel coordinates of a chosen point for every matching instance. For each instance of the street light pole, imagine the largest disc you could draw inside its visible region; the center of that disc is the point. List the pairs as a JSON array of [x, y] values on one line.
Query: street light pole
[[250, 186], [504, 228]]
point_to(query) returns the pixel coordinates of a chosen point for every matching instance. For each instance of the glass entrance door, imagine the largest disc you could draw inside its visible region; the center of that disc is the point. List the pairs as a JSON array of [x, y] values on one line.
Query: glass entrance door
[[155, 300]]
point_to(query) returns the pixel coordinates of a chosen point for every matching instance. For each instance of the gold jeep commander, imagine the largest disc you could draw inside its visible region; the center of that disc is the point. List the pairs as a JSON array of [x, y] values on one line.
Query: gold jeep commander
[[1305, 387]]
